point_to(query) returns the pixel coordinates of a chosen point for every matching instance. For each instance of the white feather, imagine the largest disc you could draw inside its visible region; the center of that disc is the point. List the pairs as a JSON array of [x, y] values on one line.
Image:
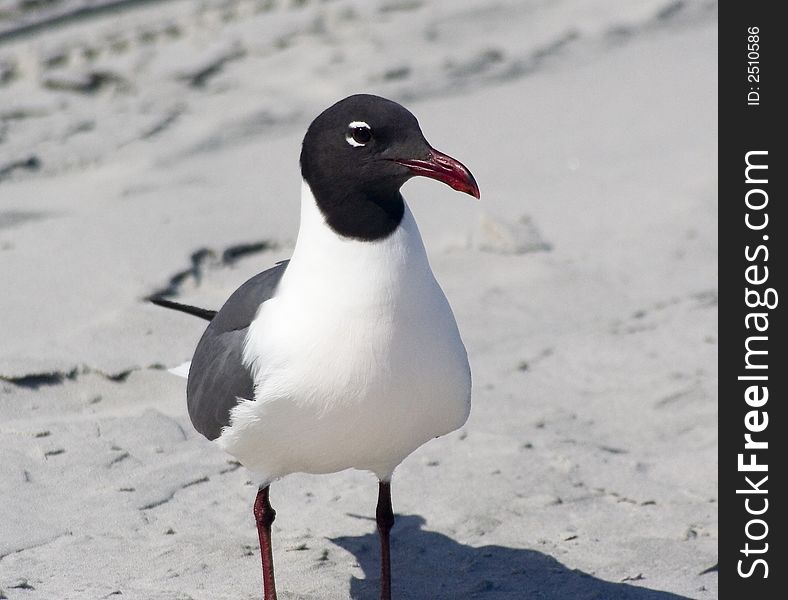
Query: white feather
[[181, 370], [357, 360]]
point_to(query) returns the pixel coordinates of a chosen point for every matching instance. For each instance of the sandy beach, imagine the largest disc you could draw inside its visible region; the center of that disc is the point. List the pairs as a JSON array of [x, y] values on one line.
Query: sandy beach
[[152, 148]]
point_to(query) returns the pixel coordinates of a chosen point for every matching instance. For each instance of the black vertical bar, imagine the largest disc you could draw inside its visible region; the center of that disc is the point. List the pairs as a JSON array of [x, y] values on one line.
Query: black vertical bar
[[752, 264]]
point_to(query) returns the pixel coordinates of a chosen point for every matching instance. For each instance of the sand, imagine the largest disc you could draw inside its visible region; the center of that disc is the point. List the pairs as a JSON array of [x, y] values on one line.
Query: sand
[[154, 148]]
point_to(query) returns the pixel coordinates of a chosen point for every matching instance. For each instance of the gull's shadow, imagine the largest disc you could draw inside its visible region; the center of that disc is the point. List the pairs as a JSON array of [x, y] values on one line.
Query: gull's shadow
[[430, 566]]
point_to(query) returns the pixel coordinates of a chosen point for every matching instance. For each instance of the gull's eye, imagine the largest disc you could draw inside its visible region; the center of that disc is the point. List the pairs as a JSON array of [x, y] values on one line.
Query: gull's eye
[[359, 134]]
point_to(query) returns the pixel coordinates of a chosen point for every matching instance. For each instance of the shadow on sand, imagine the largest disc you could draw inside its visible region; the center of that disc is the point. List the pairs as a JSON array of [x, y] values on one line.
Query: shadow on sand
[[430, 566]]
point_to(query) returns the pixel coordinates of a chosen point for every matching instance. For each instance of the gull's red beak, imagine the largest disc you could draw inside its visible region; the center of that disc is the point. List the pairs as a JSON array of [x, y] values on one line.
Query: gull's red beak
[[444, 168]]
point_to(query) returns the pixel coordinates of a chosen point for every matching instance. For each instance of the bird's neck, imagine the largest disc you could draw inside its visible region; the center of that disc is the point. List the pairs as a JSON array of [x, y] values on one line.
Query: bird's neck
[[364, 214], [322, 251]]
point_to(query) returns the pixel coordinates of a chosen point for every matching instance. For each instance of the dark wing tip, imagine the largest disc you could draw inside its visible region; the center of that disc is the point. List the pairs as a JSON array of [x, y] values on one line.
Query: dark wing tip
[[202, 313]]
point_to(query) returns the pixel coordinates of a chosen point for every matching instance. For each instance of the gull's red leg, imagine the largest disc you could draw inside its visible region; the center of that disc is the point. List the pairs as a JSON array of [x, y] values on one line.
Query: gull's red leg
[[264, 515], [385, 518]]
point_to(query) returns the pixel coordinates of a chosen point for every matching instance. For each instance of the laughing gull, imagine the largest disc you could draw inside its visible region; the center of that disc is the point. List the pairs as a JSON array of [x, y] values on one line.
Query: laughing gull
[[347, 355]]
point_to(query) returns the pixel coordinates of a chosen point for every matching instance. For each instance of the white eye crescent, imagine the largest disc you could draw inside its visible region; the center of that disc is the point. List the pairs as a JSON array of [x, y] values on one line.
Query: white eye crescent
[[359, 133]]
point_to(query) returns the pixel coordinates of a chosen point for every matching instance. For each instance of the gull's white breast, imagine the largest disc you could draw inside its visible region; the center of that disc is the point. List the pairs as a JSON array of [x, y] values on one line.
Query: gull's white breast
[[357, 360]]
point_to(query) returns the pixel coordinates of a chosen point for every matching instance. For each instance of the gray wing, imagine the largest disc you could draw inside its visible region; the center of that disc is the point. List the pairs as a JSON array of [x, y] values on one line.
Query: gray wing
[[217, 376]]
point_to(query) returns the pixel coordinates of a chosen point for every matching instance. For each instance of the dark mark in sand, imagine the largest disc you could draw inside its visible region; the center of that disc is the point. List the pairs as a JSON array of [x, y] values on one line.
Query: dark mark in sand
[[203, 258], [34, 381], [31, 163]]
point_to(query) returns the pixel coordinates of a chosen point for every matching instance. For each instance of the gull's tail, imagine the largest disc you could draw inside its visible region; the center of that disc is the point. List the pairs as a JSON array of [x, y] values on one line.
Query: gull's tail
[[203, 313], [181, 370]]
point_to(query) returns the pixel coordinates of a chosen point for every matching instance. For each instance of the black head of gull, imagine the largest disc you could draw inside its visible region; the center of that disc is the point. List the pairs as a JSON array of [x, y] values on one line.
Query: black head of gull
[[356, 156]]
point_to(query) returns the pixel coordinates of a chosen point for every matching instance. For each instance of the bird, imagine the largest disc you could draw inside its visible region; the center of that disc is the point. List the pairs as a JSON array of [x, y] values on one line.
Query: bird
[[347, 355]]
